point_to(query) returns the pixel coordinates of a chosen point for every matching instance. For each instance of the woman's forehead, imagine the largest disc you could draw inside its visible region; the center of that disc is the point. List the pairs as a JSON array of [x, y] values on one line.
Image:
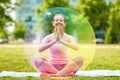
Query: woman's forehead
[[58, 17]]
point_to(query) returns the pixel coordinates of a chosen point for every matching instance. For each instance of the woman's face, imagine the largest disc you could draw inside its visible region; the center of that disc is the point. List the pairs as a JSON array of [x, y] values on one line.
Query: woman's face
[[58, 22]]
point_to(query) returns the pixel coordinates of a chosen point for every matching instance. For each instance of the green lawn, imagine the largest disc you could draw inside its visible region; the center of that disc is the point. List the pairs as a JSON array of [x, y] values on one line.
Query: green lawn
[[14, 59]]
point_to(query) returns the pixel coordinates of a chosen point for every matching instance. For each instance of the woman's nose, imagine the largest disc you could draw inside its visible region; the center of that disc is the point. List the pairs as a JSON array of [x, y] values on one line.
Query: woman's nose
[[59, 21]]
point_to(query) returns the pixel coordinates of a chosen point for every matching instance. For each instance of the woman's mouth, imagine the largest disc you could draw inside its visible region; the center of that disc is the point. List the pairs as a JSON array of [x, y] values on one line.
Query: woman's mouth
[[59, 24]]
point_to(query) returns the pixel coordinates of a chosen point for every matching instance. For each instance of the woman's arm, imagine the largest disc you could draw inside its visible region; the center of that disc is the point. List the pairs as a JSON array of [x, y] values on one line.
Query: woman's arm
[[71, 44], [45, 44]]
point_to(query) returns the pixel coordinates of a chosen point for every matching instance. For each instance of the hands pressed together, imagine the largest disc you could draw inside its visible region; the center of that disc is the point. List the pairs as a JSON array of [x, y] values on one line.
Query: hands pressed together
[[58, 37]]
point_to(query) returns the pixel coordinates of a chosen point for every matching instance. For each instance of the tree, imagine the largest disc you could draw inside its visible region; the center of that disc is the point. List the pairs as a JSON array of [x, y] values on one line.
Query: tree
[[96, 11], [52, 3], [20, 30], [113, 32], [5, 7]]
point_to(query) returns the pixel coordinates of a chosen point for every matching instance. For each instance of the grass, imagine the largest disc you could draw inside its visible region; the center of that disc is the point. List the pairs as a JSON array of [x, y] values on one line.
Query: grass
[[14, 59], [76, 78]]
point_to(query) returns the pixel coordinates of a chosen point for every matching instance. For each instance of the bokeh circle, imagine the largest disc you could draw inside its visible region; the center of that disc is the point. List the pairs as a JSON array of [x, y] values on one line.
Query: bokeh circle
[[76, 26]]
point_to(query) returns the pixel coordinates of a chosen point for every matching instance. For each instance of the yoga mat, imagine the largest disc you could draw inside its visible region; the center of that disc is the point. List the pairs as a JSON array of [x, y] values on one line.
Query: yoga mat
[[89, 73]]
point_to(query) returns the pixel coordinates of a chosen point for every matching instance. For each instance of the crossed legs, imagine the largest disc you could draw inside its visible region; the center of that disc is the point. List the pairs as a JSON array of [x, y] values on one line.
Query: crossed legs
[[72, 66], [46, 67]]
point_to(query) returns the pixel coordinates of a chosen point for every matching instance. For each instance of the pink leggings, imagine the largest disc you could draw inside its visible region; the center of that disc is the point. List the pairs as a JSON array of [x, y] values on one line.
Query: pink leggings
[[44, 68], [59, 66]]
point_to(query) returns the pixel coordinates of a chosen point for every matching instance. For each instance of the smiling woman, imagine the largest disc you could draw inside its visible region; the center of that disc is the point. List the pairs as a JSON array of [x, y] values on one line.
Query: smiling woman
[[53, 46], [57, 42]]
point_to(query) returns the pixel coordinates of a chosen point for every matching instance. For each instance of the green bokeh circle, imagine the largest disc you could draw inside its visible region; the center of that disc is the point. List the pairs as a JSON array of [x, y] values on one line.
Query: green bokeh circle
[[76, 25]]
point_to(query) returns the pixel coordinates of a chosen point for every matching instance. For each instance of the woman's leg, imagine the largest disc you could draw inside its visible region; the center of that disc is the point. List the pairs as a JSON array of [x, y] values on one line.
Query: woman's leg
[[72, 66], [45, 66]]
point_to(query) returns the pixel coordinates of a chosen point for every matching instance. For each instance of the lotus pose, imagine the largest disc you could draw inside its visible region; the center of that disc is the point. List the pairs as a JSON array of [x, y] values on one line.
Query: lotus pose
[[58, 42]]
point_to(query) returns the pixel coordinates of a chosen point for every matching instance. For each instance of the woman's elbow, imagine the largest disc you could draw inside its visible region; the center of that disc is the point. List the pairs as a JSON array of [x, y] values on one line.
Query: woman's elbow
[[40, 50], [77, 48]]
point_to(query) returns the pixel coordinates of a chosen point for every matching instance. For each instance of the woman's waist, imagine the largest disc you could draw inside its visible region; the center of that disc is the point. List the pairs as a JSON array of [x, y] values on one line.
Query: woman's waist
[[59, 61]]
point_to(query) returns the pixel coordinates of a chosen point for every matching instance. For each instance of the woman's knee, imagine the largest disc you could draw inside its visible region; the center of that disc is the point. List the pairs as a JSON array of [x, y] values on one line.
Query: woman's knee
[[39, 62], [79, 60]]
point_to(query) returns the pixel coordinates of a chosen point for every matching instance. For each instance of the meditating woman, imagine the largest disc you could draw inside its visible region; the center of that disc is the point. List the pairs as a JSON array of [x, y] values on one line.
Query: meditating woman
[[58, 42]]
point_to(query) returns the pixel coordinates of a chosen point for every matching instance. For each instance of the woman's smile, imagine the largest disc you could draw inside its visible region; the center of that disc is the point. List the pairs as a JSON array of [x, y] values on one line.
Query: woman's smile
[[59, 24]]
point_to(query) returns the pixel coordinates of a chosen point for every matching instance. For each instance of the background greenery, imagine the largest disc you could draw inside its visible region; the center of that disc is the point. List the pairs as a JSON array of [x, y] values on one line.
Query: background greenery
[[100, 15]]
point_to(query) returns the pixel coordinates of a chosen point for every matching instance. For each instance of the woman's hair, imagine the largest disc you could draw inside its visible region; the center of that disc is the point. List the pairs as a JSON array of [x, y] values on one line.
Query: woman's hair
[[59, 15]]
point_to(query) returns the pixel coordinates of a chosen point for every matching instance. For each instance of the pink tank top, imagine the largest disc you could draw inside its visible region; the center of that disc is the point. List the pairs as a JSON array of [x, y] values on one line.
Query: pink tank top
[[58, 54]]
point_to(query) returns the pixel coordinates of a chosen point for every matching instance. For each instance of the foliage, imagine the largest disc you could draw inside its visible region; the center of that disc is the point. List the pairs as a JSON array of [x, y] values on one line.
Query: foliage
[[96, 11], [52, 3], [20, 29], [3, 34], [113, 32], [5, 7]]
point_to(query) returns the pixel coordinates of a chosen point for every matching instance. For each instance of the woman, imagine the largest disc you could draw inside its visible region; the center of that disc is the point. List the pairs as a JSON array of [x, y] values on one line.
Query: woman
[[58, 42]]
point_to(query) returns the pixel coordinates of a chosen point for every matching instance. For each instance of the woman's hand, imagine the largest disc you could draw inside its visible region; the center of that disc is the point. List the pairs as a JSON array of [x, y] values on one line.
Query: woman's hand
[[59, 37]]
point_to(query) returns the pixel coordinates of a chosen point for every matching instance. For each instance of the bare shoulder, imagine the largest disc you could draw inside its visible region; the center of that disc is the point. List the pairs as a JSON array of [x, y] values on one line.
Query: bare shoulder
[[69, 36], [48, 36]]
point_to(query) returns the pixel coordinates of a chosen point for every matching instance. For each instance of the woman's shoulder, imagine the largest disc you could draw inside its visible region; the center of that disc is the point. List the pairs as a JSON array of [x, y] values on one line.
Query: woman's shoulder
[[69, 36], [48, 36]]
